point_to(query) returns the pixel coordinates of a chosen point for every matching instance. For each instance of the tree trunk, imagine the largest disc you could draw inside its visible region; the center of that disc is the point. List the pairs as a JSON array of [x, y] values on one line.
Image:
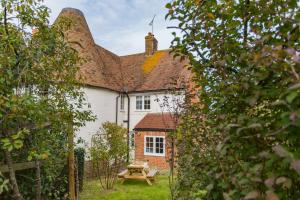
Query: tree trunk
[[71, 164], [77, 179], [38, 180], [171, 163], [12, 177]]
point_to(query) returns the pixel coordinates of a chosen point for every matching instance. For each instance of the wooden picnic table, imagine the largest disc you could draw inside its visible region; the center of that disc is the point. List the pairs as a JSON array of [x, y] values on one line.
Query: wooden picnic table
[[138, 172]]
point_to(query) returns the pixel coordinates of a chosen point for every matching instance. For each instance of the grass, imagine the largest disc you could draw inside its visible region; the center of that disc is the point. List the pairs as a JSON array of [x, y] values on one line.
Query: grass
[[129, 190]]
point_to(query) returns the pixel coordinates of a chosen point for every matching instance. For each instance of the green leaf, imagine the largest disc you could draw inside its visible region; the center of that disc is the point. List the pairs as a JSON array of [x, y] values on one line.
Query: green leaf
[[18, 144], [291, 97], [15, 136], [168, 5]]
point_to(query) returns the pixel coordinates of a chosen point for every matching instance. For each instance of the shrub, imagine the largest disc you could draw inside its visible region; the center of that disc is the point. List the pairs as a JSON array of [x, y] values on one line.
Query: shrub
[[108, 153], [242, 140]]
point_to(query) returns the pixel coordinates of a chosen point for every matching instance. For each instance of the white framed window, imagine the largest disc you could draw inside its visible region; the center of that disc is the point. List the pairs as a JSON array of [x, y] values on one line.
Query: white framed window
[[139, 103], [143, 103], [154, 145], [147, 103], [122, 103]]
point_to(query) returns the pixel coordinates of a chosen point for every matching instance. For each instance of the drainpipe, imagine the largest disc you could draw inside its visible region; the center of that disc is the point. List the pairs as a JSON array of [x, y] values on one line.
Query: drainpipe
[[128, 125], [117, 108]]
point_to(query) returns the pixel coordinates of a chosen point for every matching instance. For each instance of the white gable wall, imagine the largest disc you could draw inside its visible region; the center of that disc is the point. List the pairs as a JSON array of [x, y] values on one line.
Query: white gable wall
[[103, 105]]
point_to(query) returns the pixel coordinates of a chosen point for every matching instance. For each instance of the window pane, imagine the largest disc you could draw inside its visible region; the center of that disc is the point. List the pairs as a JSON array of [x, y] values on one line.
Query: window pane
[[159, 145], [139, 102], [122, 102], [149, 145], [147, 102], [149, 139]]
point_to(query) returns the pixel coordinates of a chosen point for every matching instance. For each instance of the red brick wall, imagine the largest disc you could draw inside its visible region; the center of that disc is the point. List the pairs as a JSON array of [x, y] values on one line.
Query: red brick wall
[[154, 161]]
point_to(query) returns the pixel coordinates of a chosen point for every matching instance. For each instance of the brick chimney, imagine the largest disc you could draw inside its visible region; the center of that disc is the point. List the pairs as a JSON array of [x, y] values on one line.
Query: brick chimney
[[150, 44]]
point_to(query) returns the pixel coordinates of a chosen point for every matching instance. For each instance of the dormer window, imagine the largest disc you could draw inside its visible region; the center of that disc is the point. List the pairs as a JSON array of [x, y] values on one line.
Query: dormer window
[[143, 103]]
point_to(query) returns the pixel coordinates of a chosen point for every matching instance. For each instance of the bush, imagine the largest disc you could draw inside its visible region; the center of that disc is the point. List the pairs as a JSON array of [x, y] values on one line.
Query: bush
[[108, 153], [242, 140]]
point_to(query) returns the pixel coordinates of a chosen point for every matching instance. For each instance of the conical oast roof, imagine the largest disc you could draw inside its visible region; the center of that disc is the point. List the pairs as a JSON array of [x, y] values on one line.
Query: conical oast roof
[[80, 37]]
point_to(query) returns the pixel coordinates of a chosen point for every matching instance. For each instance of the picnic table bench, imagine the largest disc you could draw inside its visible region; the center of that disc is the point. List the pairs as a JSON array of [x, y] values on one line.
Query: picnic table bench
[[152, 173], [138, 172], [123, 173]]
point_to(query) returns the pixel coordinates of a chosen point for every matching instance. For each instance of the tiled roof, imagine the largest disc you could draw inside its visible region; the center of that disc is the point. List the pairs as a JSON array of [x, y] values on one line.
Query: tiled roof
[[156, 122], [105, 69]]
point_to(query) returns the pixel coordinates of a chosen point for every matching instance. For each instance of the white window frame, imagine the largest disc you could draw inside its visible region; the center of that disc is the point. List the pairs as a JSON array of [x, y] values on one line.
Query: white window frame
[[154, 146], [143, 102], [122, 103], [136, 102]]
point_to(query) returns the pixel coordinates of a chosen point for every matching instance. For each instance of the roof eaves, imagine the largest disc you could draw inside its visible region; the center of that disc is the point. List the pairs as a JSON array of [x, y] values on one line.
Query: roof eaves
[[155, 90], [154, 129], [100, 87]]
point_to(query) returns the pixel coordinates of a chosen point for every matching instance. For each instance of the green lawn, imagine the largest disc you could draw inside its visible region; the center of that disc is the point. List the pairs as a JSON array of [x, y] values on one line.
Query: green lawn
[[130, 190]]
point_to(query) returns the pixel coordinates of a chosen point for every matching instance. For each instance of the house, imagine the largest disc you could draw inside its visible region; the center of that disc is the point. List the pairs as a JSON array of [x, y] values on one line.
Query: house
[[128, 89]]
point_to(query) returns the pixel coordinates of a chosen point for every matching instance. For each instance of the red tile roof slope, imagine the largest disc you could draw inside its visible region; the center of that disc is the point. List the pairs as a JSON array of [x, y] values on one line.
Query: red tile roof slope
[[105, 69], [156, 122]]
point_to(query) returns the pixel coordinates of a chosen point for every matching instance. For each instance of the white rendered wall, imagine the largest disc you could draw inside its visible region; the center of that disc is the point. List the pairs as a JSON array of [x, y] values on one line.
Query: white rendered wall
[[103, 105], [157, 99]]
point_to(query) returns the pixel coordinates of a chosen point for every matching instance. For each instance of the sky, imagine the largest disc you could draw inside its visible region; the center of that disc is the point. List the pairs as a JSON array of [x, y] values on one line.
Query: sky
[[120, 25]]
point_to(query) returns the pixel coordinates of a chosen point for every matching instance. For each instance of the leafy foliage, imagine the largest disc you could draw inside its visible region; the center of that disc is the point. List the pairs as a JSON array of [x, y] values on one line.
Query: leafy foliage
[[108, 153], [3, 184], [40, 94], [80, 155], [241, 140]]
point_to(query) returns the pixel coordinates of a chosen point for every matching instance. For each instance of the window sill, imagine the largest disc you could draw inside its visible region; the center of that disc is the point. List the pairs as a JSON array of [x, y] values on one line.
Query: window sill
[[154, 154], [142, 110]]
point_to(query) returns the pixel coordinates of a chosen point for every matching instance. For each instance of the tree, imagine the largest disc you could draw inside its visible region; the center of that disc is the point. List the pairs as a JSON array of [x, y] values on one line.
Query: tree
[[171, 105], [40, 90], [108, 153], [245, 55]]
